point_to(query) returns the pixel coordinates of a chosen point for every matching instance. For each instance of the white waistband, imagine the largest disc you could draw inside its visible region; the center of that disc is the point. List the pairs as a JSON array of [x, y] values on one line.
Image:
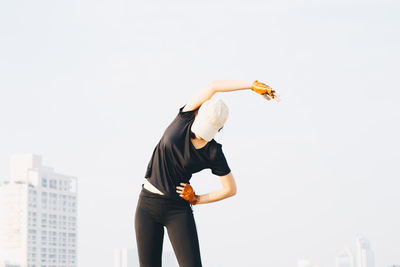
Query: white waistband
[[151, 188]]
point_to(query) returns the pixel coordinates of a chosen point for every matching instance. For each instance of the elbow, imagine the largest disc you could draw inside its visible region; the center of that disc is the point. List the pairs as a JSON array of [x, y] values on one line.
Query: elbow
[[229, 185], [234, 188], [212, 86], [232, 192]]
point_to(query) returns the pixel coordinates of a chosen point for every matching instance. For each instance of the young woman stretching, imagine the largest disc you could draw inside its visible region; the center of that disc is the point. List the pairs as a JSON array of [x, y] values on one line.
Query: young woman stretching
[[186, 147]]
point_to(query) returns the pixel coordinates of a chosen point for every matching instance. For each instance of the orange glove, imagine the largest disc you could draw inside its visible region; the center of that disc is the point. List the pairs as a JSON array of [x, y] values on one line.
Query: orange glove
[[189, 195], [263, 89]]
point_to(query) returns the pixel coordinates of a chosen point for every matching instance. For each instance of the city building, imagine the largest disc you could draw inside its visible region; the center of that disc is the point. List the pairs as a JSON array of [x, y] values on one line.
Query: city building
[[8, 264], [344, 259], [127, 257], [38, 226], [365, 255], [305, 263]]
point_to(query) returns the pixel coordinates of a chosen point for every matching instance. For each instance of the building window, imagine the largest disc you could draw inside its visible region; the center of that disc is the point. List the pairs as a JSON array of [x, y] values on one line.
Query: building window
[[44, 182], [53, 184]]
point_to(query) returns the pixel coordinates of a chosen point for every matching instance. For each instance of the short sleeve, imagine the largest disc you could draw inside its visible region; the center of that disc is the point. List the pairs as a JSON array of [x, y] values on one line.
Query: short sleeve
[[218, 164], [187, 115]]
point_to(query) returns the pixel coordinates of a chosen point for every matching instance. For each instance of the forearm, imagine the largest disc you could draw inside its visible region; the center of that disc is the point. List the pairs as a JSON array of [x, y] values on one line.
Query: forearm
[[230, 85], [215, 196]]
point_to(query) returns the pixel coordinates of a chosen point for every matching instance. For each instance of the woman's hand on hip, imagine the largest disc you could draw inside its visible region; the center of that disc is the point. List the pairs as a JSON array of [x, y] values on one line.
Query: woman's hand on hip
[[186, 192]]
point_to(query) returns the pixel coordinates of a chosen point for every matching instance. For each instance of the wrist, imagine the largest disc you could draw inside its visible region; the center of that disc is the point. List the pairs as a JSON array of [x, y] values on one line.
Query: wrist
[[261, 88], [253, 85], [196, 199]]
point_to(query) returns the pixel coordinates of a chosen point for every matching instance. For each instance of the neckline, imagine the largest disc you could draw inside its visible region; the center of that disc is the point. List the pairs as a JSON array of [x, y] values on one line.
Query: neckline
[[190, 141]]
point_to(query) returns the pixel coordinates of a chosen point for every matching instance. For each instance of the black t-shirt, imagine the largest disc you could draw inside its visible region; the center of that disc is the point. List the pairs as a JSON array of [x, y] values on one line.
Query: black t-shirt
[[175, 159]]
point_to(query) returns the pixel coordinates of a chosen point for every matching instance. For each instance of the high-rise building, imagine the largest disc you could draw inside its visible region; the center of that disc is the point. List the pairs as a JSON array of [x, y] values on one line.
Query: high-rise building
[[125, 257], [305, 263], [38, 226], [344, 259], [365, 255]]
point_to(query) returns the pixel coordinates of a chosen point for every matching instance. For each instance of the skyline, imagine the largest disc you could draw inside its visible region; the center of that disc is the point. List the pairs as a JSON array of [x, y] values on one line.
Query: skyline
[[92, 85], [29, 168]]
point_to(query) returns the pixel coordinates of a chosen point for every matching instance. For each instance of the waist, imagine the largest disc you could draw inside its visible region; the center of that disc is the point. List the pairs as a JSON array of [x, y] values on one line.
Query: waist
[[146, 193], [152, 188]]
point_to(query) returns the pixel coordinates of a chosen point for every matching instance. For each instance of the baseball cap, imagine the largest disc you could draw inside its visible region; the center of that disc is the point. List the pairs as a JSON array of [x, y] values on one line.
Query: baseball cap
[[211, 117]]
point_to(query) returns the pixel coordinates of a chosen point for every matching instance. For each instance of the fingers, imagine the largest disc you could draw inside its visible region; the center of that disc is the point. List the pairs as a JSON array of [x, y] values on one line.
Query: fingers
[[276, 97], [180, 189], [266, 96]]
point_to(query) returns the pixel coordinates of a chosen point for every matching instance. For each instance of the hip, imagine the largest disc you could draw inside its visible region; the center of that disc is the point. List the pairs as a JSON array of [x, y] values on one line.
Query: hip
[[161, 208], [167, 200], [147, 185]]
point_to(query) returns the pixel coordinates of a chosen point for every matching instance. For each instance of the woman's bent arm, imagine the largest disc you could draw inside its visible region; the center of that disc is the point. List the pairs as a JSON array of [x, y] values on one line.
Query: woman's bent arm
[[228, 190]]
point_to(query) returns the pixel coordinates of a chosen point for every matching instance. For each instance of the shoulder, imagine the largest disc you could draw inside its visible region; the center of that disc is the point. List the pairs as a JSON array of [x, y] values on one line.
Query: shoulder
[[187, 108], [184, 110], [187, 114], [215, 149]]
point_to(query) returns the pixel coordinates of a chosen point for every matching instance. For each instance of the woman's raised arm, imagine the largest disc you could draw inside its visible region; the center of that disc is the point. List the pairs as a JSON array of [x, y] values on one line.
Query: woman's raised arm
[[219, 86], [197, 100], [233, 85], [230, 85]]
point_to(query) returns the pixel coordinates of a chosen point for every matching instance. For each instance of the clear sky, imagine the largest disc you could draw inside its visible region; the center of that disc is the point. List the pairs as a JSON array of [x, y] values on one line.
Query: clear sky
[[91, 86]]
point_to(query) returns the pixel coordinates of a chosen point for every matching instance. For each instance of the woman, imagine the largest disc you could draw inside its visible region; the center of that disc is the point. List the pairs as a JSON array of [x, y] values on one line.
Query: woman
[[186, 147]]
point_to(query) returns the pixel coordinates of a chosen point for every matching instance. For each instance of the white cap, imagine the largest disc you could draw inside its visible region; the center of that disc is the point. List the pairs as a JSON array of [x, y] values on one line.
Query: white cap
[[211, 117]]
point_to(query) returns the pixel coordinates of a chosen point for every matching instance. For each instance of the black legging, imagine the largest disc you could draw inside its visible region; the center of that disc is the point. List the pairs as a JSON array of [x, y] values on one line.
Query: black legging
[[155, 211]]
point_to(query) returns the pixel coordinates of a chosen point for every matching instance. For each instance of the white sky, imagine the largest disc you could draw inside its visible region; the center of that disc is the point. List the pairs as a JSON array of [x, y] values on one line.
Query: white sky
[[91, 86]]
